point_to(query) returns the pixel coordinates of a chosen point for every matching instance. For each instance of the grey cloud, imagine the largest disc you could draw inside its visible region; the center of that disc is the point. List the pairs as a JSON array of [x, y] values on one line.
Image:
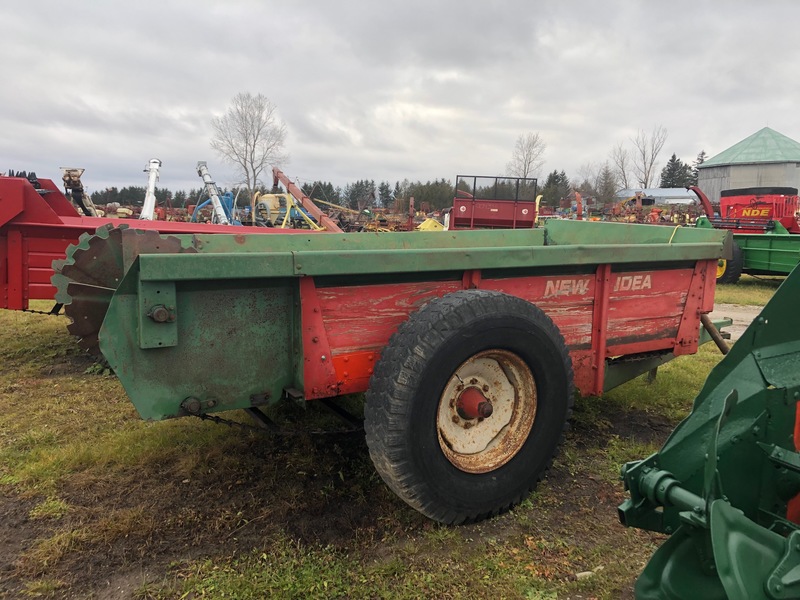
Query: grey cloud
[[387, 90]]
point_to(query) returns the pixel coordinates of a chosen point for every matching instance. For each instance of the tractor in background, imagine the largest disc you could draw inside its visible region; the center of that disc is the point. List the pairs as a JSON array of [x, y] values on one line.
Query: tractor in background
[[765, 226]]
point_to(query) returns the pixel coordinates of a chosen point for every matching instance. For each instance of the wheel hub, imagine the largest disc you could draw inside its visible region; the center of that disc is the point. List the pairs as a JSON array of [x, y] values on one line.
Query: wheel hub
[[486, 411], [722, 264], [472, 404]]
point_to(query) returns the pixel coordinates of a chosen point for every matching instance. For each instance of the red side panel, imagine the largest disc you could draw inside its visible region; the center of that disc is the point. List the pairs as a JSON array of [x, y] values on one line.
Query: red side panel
[[15, 285], [358, 322], [601, 315], [505, 214]]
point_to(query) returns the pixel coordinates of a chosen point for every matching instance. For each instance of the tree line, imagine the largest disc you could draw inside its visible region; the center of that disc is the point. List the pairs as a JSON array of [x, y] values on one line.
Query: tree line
[[601, 184]]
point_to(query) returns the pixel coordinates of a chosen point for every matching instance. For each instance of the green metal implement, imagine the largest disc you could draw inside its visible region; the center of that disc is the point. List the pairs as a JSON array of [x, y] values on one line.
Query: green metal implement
[[233, 306], [726, 483], [770, 253], [469, 345], [774, 252]]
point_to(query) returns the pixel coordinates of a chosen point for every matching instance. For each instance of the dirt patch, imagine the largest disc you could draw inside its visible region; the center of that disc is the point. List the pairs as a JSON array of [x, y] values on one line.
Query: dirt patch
[[742, 317], [17, 532], [317, 490]]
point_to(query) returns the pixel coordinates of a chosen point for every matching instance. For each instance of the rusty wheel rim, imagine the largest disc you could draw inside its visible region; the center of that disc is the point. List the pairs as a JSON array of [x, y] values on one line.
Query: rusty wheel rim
[[477, 437]]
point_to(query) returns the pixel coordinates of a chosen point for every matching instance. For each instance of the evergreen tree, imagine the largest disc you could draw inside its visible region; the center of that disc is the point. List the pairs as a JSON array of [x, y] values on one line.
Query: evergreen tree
[[556, 187], [437, 194], [360, 195], [701, 158], [385, 194], [607, 185], [675, 173], [322, 190], [397, 193]]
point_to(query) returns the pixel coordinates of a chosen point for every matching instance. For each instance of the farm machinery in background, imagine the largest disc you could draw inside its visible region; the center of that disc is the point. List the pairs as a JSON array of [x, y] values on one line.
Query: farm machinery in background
[[726, 484], [494, 203], [73, 186], [765, 227], [149, 204], [38, 222], [220, 213]]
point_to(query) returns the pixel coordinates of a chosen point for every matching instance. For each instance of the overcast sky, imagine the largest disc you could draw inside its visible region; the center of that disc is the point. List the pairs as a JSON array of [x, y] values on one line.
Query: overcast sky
[[387, 90]]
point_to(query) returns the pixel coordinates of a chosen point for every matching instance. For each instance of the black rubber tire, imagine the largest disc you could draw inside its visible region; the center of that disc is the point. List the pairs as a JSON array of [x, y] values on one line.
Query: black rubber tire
[[733, 267], [409, 379]]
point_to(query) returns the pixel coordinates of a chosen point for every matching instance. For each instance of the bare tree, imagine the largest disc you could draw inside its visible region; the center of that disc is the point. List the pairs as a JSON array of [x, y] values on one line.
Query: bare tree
[[589, 175], [646, 151], [526, 159], [250, 136], [621, 164]]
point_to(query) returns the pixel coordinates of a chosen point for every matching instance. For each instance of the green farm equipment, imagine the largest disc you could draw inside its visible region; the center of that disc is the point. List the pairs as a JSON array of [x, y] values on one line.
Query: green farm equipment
[[765, 227], [726, 484], [468, 344]]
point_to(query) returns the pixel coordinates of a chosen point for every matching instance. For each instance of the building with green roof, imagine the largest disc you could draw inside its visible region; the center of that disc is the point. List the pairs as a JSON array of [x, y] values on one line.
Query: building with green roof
[[765, 159]]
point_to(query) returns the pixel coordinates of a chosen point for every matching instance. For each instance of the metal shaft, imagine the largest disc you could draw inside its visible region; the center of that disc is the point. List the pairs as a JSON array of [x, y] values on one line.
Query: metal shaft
[[213, 193], [714, 333], [149, 206]]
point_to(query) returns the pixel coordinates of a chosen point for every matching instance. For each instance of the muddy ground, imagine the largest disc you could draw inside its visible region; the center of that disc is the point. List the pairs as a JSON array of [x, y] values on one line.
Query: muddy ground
[[334, 500]]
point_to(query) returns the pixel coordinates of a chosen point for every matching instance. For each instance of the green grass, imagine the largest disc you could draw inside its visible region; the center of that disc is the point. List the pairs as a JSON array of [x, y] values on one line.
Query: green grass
[[752, 291]]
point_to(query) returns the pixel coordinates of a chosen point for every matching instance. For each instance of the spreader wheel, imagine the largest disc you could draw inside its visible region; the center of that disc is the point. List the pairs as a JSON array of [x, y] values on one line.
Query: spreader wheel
[[729, 271], [468, 405], [93, 269]]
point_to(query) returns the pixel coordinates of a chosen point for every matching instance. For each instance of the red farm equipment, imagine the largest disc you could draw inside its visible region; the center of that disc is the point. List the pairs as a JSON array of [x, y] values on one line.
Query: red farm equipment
[[38, 223], [494, 203], [468, 344], [765, 227]]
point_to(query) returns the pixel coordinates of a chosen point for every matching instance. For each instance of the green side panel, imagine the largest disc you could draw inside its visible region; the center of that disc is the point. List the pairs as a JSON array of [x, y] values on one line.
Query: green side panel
[[769, 253], [237, 347], [579, 233], [240, 293], [346, 242], [186, 267], [559, 244]]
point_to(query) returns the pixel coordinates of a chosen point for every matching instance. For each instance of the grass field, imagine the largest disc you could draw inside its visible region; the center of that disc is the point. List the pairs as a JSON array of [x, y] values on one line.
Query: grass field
[[99, 504], [750, 291]]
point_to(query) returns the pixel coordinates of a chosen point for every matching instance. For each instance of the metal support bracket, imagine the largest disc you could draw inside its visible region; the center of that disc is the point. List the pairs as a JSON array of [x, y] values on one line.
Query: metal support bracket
[[158, 316]]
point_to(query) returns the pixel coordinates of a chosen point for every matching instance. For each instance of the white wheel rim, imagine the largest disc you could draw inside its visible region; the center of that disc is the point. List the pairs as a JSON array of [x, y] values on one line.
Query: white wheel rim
[[476, 444]]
